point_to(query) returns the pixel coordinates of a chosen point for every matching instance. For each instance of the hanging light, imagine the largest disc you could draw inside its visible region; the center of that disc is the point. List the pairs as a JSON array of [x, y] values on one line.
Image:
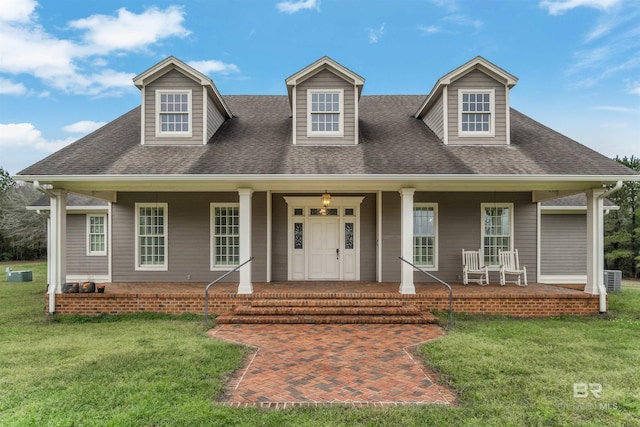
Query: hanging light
[[326, 199]]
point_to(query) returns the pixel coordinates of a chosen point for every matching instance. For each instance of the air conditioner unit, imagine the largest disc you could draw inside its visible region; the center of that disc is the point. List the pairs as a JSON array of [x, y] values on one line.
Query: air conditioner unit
[[613, 280]]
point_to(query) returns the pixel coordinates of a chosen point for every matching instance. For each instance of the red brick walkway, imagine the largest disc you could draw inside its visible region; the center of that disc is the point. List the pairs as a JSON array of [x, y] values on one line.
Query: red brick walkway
[[362, 365]]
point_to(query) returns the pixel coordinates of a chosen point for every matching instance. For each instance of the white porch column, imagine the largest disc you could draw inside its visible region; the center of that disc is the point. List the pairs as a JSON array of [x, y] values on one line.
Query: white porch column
[[57, 250], [406, 240], [595, 242], [245, 286]]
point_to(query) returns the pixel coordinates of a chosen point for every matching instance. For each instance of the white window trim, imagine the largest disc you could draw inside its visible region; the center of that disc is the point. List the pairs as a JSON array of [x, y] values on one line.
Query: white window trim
[[159, 267], [492, 114], [435, 231], [511, 227], [212, 237], [159, 132], [89, 251], [340, 132]]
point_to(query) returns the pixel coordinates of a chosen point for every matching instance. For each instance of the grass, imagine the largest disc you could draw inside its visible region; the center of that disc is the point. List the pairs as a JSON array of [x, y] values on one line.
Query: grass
[[153, 370]]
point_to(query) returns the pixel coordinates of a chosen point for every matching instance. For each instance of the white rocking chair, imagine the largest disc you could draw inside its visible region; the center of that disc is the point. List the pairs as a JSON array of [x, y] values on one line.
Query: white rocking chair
[[472, 264], [510, 266]]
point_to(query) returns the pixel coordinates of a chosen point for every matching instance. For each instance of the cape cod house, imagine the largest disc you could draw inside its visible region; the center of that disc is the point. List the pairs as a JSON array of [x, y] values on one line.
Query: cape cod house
[[321, 184]]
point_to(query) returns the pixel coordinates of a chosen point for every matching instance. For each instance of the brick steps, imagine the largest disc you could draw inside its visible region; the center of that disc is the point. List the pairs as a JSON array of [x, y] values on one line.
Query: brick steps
[[328, 309], [326, 319], [324, 302]]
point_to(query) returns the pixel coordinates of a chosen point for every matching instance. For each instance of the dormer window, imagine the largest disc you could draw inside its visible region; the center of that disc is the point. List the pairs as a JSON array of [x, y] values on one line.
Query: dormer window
[[476, 109], [174, 113], [325, 112]]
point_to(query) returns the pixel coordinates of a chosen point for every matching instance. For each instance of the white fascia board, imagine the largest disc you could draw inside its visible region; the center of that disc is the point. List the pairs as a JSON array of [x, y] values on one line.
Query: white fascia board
[[321, 63], [73, 209], [325, 177], [320, 182]]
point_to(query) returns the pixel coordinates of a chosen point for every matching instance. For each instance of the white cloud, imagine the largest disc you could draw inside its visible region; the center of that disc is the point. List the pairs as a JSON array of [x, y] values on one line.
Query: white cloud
[[615, 109], [8, 87], [83, 126], [296, 6], [464, 21], [14, 135], [558, 7], [452, 24], [130, 31], [429, 29], [634, 88], [81, 66], [16, 10], [449, 5], [214, 66], [375, 35]]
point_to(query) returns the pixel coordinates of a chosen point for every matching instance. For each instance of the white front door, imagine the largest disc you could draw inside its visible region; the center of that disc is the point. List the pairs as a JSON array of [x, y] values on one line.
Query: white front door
[[324, 249]]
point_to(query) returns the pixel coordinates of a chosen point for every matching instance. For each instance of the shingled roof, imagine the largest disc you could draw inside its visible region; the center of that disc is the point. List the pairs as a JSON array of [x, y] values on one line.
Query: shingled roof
[[257, 140]]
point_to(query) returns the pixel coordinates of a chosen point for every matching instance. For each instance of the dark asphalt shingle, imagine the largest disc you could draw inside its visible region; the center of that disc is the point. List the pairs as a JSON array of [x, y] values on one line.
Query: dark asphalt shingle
[[258, 141]]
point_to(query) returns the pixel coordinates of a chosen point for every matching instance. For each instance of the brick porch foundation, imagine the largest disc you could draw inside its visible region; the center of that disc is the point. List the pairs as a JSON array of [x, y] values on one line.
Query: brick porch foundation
[[532, 301]]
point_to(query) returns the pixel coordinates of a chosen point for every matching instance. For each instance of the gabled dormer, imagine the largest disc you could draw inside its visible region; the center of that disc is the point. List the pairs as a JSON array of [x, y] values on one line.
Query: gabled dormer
[[470, 105], [324, 104], [180, 105]]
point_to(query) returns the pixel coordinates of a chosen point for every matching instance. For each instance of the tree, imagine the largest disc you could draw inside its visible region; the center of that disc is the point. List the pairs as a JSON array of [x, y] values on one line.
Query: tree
[[6, 181], [622, 227], [22, 232]]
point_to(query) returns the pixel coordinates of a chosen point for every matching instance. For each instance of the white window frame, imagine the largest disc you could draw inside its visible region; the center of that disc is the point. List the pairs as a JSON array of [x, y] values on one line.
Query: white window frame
[[165, 235], [159, 131], [491, 112], [89, 234], [482, 227], [433, 206], [310, 113], [212, 245]]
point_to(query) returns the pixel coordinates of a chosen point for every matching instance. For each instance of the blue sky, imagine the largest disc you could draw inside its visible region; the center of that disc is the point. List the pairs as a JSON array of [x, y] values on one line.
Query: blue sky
[[66, 66]]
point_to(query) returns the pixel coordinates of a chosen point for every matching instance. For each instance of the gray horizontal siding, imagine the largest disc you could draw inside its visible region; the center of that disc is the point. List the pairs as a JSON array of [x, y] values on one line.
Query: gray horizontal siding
[[78, 263], [325, 80], [173, 80], [563, 239], [368, 238], [279, 238], [459, 226], [434, 118], [189, 231], [214, 118], [477, 80]]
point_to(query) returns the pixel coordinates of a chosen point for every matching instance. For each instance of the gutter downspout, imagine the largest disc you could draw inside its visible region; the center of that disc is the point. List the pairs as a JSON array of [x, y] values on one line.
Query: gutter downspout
[[50, 290], [602, 290]]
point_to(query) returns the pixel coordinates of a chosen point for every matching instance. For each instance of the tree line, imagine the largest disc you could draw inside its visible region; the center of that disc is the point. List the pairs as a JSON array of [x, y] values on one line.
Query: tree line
[[23, 233]]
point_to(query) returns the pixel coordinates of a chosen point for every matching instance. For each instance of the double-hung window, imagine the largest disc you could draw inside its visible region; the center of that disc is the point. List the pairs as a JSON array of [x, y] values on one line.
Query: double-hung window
[[497, 231], [425, 235], [325, 112], [477, 115], [151, 236], [174, 112], [225, 235], [96, 234]]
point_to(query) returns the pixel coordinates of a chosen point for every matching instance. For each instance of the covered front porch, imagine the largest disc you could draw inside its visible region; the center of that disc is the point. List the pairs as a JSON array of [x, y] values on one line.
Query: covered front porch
[[330, 301]]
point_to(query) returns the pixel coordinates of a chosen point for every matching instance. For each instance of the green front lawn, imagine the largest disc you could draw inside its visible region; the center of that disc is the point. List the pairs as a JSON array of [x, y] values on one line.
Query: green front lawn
[[163, 371]]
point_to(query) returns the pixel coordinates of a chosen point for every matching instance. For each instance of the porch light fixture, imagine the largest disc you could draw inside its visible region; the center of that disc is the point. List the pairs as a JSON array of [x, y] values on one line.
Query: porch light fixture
[[326, 199]]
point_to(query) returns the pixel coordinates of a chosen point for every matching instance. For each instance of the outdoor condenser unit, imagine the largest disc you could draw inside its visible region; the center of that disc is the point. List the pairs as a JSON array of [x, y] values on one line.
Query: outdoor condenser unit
[[613, 280]]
